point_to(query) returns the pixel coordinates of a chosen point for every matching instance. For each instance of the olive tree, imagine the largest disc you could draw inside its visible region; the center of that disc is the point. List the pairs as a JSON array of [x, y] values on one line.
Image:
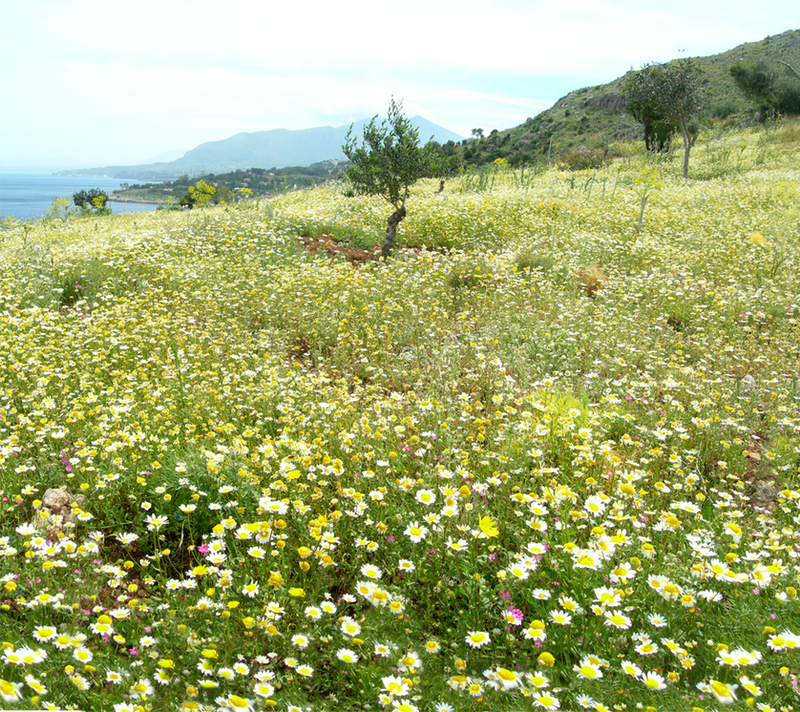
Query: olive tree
[[387, 163], [669, 94]]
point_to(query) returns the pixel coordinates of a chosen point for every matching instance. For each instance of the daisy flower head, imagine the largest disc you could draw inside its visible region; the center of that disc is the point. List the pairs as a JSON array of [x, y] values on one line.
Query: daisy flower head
[[250, 590], [560, 617], [395, 686], [607, 597], [382, 650], [513, 616], [350, 627], [477, 639], [630, 668], [24, 656], [654, 681], [750, 686], [404, 707], [518, 571], [508, 679], [238, 704], [586, 559], [371, 572], [142, 688], [622, 573], [263, 689], [347, 656], [10, 691], [82, 654], [425, 496], [415, 532], [409, 662], [785, 640], [155, 522], [365, 588], [545, 700], [44, 633], [458, 546], [646, 647], [535, 632], [114, 677], [725, 693], [570, 604], [744, 657], [432, 647], [304, 670], [538, 680], [588, 669], [617, 620]]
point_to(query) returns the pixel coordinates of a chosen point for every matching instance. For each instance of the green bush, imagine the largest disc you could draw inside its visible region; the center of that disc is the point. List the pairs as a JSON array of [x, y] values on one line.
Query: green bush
[[581, 158]]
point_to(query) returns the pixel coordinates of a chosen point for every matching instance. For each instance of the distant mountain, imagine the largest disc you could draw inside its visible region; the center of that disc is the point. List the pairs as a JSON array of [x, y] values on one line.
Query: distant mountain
[[277, 148], [596, 117]]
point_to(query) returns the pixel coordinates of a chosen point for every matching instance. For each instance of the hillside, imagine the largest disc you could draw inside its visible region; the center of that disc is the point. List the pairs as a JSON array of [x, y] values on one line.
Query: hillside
[[546, 454], [277, 148], [259, 181], [595, 117]]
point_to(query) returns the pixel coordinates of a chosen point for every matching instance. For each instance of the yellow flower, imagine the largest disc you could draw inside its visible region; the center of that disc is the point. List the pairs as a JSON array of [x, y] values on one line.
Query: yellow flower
[[546, 659], [487, 525], [297, 593]]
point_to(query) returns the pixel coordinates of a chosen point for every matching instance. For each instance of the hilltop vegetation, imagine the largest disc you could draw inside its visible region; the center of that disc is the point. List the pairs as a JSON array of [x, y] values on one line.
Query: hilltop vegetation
[[596, 117], [261, 182], [544, 457]]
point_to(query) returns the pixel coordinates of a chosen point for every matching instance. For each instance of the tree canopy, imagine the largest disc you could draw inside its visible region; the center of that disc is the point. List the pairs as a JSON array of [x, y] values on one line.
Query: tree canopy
[[668, 94], [88, 200], [387, 162]]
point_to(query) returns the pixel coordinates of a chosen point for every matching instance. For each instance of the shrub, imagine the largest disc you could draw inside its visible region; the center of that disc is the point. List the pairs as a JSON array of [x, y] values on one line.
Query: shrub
[[581, 158], [529, 261]]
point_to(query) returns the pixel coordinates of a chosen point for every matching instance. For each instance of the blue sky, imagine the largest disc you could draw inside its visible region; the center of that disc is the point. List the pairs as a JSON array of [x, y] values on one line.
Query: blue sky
[[120, 83]]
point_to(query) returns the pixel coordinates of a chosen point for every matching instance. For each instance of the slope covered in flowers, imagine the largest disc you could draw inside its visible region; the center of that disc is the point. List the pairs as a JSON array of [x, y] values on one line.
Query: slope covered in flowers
[[538, 460]]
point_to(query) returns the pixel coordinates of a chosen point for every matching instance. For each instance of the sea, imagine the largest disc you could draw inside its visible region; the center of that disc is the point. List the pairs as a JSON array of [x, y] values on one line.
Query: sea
[[27, 196]]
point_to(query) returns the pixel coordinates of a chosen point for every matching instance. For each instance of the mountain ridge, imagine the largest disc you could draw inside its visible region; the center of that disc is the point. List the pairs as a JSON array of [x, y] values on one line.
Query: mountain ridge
[[272, 148]]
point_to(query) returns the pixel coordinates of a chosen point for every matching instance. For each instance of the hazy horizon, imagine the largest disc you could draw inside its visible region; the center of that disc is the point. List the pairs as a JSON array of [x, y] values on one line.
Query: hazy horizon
[[130, 84]]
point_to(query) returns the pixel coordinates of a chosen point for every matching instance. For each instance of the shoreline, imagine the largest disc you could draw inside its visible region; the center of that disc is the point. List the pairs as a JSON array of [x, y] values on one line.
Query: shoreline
[[129, 199]]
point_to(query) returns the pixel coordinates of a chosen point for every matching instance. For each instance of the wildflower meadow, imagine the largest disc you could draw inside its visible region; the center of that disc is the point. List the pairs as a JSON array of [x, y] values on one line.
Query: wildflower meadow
[[545, 457]]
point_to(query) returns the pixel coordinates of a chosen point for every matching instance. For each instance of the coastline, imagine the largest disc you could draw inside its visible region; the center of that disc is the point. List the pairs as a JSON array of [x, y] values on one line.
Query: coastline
[[113, 198]]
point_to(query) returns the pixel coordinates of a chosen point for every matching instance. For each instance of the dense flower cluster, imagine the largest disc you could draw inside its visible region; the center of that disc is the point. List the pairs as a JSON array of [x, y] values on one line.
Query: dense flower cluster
[[554, 467]]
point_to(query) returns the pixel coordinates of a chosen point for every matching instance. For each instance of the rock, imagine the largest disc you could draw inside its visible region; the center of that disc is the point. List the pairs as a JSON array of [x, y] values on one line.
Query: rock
[[60, 508], [747, 385], [764, 495]]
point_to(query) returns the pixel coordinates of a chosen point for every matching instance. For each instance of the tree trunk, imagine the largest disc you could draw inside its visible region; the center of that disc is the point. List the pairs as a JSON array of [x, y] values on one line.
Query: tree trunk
[[648, 134], [688, 142], [391, 231]]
